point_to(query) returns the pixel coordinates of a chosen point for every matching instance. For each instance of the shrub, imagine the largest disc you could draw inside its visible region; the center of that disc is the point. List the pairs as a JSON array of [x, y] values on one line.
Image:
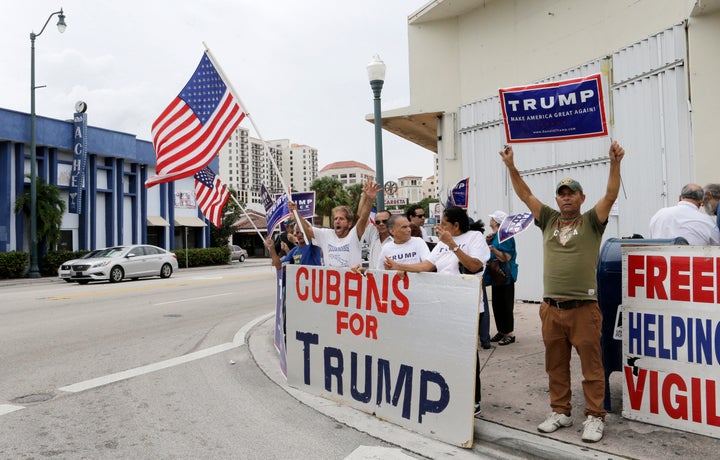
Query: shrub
[[51, 261], [202, 256], [13, 264]]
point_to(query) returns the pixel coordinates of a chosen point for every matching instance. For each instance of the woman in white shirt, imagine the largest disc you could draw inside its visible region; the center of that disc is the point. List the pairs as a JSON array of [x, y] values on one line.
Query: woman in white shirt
[[458, 246]]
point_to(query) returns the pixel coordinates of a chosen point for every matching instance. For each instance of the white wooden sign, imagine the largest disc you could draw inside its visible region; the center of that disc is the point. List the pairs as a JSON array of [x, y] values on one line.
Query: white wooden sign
[[671, 336], [401, 348]]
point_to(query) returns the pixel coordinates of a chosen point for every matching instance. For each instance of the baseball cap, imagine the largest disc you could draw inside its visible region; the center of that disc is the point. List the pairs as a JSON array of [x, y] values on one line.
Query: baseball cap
[[498, 216], [572, 184]]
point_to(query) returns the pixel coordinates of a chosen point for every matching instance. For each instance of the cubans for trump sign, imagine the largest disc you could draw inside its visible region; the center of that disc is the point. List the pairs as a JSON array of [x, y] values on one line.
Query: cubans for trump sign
[[562, 110], [671, 336], [403, 348]]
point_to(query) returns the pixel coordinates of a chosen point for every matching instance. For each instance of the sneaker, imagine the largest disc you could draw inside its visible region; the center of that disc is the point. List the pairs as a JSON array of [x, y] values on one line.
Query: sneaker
[[555, 421], [507, 340], [486, 345], [478, 411], [497, 337], [594, 427]]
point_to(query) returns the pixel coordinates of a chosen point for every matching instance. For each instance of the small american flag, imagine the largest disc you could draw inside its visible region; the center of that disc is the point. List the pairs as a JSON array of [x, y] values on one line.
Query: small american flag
[[211, 195], [189, 132]]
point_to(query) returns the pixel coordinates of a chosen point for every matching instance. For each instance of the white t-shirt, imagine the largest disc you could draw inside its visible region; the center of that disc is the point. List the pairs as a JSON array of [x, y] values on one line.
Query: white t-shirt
[[472, 243], [684, 219], [338, 252], [372, 238], [412, 251]]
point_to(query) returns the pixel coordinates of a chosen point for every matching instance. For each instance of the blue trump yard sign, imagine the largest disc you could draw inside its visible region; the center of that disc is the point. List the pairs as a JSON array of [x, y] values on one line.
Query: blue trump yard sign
[[561, 110]]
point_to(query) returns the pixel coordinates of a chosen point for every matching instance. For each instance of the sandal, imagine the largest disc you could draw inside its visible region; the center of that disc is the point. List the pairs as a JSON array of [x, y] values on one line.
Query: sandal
[[507, 340], [497, 337]]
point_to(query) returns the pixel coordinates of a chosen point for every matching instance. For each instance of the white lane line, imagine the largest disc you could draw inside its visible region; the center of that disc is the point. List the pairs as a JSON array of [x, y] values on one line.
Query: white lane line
[[239, 338], [238, 341], [194, 298], [7, 408]]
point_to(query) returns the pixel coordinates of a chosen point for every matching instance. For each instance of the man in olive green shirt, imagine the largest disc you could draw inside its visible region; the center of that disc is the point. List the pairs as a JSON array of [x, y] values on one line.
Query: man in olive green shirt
[[570, 313]]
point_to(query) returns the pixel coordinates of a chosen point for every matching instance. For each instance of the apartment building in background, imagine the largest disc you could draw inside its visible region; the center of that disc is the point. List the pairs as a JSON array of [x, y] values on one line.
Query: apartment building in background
[[410, 187], [244, 166], [348, 172]]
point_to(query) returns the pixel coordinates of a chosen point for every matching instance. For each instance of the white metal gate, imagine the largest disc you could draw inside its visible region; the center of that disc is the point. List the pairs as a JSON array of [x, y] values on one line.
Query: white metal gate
[[645, 89]]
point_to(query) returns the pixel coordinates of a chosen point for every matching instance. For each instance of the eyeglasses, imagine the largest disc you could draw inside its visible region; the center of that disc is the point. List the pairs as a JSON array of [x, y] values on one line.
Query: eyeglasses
[[422, 216], [382, 221]]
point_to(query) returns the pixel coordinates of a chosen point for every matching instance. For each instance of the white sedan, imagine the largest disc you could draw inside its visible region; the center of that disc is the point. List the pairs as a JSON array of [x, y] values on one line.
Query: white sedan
[[120, 262]]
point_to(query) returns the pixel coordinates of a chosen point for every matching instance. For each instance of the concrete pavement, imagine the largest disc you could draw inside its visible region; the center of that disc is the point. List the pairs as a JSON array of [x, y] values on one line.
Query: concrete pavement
[[514, 401]]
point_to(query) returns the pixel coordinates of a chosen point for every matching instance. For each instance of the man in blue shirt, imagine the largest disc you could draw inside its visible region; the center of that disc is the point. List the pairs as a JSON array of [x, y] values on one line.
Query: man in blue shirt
[[301, 254]]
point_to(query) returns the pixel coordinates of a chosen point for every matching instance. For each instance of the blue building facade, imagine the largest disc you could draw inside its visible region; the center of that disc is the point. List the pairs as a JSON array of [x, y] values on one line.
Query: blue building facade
[[116, 208]]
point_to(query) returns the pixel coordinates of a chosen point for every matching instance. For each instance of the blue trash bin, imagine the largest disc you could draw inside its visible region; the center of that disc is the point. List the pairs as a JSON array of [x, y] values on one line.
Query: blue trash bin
[[609, 280]]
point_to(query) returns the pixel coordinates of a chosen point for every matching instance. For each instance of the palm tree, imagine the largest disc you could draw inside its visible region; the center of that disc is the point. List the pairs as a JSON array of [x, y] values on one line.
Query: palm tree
[[50, 210], [329, 192]]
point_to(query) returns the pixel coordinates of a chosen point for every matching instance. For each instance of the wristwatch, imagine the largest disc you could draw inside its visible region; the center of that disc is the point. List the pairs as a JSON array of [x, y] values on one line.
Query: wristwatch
[[456, 249]]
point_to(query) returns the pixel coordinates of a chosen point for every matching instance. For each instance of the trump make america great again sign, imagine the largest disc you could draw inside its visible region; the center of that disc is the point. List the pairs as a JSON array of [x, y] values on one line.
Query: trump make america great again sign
[[561, 110]]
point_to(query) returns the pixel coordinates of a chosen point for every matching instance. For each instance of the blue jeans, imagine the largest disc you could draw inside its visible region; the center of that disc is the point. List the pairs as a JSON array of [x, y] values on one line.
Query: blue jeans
[[485, 319]]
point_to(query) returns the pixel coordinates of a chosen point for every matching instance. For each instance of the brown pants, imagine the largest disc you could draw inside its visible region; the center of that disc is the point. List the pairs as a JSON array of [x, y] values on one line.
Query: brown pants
[[580, 328]]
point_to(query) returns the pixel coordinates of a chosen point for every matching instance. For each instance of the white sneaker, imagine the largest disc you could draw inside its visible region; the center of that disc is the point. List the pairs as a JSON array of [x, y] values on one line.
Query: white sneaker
[[594, 427], [555, 421]]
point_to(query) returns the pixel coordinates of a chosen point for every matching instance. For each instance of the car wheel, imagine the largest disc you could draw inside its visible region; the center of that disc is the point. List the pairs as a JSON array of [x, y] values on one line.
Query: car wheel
[[83, 281], [68, 280], [242, 258], [165, 271], [116, 274]]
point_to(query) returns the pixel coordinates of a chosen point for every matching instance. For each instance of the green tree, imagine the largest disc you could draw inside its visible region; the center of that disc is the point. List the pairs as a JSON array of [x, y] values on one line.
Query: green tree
[[221, 236], [329, 192], [354, 192], [50, 208]]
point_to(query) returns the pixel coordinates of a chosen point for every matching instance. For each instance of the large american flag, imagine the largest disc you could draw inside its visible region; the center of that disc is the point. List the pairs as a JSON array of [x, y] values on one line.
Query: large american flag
[[189, 132], [211, 195]]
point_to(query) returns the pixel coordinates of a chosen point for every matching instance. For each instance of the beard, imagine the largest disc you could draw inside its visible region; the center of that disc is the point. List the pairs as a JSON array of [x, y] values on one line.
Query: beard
[[710, 208]]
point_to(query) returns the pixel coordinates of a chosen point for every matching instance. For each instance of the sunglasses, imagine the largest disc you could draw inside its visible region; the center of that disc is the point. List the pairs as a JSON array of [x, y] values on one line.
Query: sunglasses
[[422, 216], [382, 221]]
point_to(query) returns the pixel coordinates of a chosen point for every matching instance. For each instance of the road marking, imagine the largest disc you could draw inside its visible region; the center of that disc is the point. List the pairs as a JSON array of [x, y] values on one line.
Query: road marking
[[194, 298], [238, 341], [7, 408]]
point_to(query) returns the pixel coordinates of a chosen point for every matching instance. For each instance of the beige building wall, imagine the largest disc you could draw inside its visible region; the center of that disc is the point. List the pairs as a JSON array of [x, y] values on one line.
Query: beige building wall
[[461, 51]]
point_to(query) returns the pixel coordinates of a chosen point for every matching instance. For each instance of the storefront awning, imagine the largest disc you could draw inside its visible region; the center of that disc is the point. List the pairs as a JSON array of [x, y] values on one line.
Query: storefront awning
[[156, 221], [189, 222], [418, 128]]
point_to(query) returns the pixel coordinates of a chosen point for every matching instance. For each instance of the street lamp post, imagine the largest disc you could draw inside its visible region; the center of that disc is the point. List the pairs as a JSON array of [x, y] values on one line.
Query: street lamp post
[[34, 269], [376, 75]]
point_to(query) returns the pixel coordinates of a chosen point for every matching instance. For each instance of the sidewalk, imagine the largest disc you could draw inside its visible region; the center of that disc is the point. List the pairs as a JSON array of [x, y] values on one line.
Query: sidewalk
[[514, 401]]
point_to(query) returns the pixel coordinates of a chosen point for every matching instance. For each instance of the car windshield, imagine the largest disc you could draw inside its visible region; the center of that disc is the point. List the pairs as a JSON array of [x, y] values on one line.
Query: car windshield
[[109, 252], [90, 254]]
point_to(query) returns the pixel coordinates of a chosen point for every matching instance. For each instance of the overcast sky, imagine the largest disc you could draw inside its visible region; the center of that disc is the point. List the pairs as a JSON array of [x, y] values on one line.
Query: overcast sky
[[298, 65]]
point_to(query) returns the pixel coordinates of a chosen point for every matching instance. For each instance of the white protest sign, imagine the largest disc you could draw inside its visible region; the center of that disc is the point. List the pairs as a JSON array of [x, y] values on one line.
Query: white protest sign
[[402, 348], [671, 336]]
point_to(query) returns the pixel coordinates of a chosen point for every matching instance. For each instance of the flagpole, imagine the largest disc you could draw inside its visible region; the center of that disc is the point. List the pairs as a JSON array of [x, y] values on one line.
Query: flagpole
[[252, 122], [248, 216]]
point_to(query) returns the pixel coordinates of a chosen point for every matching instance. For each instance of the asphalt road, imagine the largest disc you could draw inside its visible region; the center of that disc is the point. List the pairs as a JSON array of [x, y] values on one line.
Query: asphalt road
[[152, 369]]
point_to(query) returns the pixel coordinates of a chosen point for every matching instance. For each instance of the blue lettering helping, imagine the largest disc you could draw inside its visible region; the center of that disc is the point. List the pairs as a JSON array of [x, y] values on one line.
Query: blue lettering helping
[[696, 340], [404, 380], [703, 346]]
